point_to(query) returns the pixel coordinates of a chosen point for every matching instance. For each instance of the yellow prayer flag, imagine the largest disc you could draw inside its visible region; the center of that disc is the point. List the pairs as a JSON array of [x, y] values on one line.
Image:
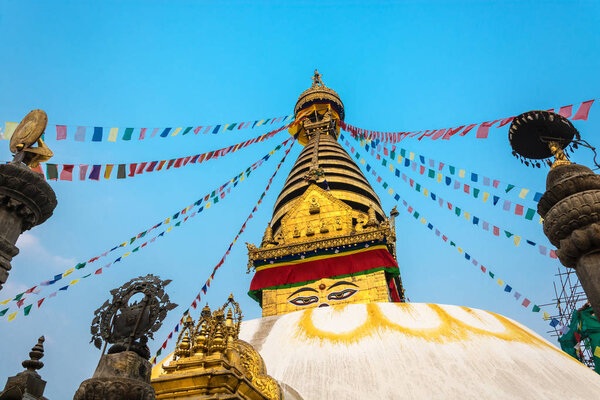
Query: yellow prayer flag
[[546, 315], [362, 161], [459, 249], [176, 131], [541, 220], [391, 168], [439, 177], [171, 227], [123, 244], [423, 220], [112, 134], [411, 156], [12, 316], [391, 191], [224, 127], [461, 173], [207, 205], [126, 254], [523, 193], [467, 215], [400, 159], [9, 128], [167, 220], [486, 195], [425, 192], [74, 281], [108, 171], [597, 351], [260, 122], [6, 301], [242, 178], [500, 282], [67, 272], [517, 240]]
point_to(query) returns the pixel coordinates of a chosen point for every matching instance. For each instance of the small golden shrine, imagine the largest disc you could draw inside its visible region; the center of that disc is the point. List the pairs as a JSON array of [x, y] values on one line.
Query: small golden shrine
[[211, 362]]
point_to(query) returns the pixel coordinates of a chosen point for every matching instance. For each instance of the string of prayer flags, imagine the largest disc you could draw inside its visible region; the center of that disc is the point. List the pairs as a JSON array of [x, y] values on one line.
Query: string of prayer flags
[[481, 132], [434, 168], [211, 197], [206, 285], [134, 169], [475, 220], [507, 205], [501, 283], [112, 134]]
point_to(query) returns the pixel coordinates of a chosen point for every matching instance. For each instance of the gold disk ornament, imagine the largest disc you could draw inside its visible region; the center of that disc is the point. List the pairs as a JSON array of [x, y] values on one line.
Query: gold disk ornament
[[27, 133]]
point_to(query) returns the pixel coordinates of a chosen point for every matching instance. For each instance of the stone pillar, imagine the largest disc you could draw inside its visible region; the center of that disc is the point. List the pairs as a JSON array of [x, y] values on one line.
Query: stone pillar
[[26, 200], [27, 384], [571, 211], [119, 376]]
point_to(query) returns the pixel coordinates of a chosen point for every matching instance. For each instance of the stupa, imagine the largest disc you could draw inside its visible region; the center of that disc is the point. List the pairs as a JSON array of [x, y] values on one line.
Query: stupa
[[335, 322]]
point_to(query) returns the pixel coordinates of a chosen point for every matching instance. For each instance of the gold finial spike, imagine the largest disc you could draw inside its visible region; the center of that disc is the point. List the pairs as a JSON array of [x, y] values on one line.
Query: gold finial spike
[[317, 79], [560, 157]]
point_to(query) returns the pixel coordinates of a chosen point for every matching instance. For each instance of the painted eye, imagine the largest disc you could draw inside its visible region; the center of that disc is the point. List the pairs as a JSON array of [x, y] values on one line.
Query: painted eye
[[304, 301], [342, 295]]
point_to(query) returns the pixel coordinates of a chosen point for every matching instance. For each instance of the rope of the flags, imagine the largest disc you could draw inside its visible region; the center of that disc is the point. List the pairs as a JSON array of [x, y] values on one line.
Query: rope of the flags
[[183, 213], [97, 172], [81, 133], [481, 132], [509, 206], [206, 285], [458, 211], [501, 283]]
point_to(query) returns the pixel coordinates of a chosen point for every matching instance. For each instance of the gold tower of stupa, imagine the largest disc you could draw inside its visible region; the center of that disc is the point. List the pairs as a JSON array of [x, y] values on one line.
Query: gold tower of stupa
[[329, 240]]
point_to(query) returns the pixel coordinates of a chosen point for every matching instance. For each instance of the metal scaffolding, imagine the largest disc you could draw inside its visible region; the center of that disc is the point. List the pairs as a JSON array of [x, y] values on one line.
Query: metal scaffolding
[[569, 296]]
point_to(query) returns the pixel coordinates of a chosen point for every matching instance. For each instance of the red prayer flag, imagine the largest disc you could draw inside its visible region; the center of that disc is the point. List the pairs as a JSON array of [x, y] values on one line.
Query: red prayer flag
[[196, 130], [132, 168], [519, 209], [142, 133], [566, 111], [552, 254], [30, 290], [467, 129], [140, 168], [98, 271], [177, 163], [151, 166], [583, 111], [505, 121], [186, 160], [466, 188], [483, 130], [439, 134], [39, 170], [161, 164], [20, 303], [82, 172], [170, 163], [67, 173], [496, 231], [39, 303], [526, 302], [61, 132]]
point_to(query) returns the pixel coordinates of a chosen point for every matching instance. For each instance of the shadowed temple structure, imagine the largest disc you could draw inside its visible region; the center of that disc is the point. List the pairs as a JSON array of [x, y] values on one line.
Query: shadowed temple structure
[[335, 324]]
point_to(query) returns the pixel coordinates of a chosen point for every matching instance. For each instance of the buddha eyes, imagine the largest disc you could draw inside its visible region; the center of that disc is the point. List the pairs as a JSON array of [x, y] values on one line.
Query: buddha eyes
[[341, 295], [304, 301]]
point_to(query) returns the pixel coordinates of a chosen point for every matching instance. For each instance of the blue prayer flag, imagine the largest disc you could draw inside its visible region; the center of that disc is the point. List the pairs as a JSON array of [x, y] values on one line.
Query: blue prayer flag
[[165, 132], [496, 199], [396, 197], [554, 322], [97, 136], [473, 177], [448, 181], [64, 287], [537, 196], [216, 129], [507, 289]]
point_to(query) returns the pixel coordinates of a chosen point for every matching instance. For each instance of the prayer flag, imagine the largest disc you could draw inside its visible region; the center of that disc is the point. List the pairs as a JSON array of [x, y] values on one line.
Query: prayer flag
[[82, 172], [483, 130], [80, 134], [535, 308], [61, 132], [526, 302], [121, 171], [530, 213], [128, 133], [142, 133], [9, 128], [216, 130], [67, 173], [506, 206], [523, 193], [518, 209], [507, 289], [108, 171], [187, 130], [51, 172], [12, 316], [176, 131], [165, 132], [112, 134], [154, 132], [583, 111], [95, 174], [566, 111], [97, 136]]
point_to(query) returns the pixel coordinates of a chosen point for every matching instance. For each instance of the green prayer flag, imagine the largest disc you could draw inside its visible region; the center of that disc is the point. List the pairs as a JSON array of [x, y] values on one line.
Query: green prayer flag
[[121, 172], [384, 162], [491, 274], [416, 215], [213, 193], [535, 308], [85, 276], [231, 126], [403, 152], [132, 240], [27, 309], [385, 185], [216, 200], [179, 223], [457, 211], [143, 234], [51, 171], [393, 155], [431, 173], [136, 249], [18, 297], [187, 130], [509, 187], [475, 192], [128, 133], [3, 312], [508, 234], [357, 156], [80, 265], [452, 243], [530, 214], [418, 187], [452, 169]]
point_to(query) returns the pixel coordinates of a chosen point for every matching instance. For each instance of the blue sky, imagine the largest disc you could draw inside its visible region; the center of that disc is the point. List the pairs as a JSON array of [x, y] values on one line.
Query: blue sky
[[397, 66]]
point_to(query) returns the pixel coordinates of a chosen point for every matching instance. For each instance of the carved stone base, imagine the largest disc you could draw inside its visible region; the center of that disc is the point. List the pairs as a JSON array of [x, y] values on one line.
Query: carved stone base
[[26, 200], [120, 376]]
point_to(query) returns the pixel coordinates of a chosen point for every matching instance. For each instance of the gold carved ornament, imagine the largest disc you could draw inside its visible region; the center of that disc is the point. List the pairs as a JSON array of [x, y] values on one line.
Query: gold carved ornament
[[29, 132]]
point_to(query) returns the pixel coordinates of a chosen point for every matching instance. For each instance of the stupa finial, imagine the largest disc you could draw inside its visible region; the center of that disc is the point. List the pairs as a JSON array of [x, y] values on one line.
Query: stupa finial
[[317, 79]]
